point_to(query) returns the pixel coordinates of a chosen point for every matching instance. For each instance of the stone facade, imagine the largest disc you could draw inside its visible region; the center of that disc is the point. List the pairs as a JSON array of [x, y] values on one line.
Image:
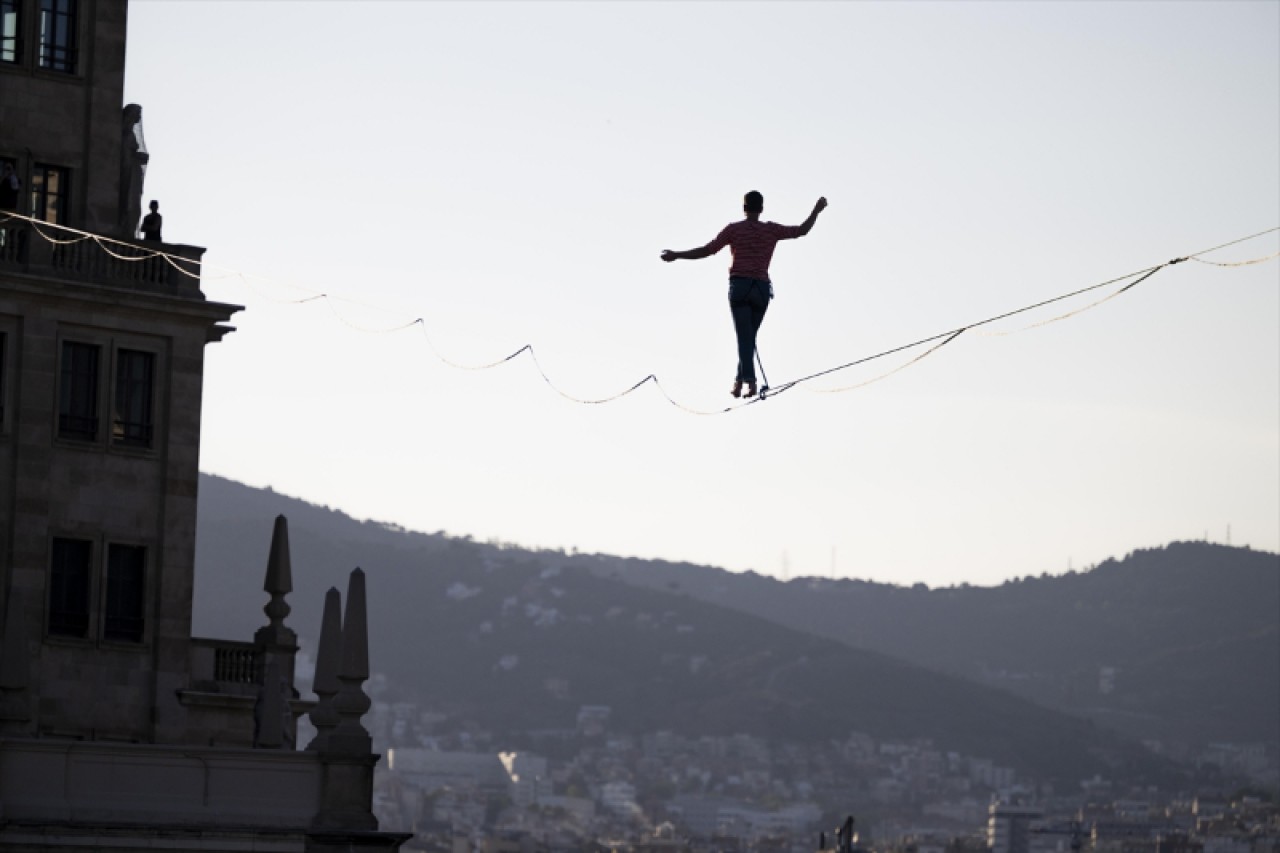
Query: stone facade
[[118, 729], [103, 492], [69, 119]]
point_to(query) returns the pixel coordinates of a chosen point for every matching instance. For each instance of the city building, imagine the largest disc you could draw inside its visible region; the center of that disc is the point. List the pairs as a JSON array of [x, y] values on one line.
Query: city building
[[1009, 827], [118, 729]]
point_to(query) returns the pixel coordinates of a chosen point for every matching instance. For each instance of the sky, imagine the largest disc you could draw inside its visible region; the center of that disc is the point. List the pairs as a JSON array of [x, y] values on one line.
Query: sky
[[510, 172]]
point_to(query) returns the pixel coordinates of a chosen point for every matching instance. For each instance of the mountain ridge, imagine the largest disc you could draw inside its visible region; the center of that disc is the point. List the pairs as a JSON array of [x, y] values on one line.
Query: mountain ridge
[[521, 639]]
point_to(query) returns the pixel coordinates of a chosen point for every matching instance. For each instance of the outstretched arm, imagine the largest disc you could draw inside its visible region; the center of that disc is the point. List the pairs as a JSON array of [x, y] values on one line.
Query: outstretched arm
[[688, 255], [721, 240], [807, 225]]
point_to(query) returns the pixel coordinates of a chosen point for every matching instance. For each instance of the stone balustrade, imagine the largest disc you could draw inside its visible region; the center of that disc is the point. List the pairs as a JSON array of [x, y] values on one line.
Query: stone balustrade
[[45, 250], [233, 667]]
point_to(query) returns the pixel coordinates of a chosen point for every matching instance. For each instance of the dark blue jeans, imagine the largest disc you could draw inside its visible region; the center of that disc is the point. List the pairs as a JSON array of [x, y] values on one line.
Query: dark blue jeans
[[748, 300]]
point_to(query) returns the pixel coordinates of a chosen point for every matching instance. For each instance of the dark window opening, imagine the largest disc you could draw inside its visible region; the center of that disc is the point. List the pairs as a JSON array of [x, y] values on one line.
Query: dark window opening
[[10, 31], [126, 593], [49, 194], [69, 587], [78, 394], [58, 35], [134, 377]]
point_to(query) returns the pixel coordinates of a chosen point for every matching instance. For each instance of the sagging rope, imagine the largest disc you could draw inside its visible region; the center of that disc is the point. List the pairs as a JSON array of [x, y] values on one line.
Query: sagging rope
[[940, 340]]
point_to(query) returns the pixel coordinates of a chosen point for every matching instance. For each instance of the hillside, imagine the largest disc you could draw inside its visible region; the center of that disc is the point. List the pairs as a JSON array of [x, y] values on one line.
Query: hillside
[[1180, 643], [519, 640]]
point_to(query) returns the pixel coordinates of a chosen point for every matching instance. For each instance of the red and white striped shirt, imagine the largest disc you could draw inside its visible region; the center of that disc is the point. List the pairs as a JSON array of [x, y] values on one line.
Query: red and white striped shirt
[[752, 242]]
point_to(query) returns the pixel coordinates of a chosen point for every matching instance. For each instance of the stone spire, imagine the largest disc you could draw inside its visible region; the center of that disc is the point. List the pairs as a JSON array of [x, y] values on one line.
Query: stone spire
[[349, 736], [276, 644], [325, 684], [278, 583], [346, 751]]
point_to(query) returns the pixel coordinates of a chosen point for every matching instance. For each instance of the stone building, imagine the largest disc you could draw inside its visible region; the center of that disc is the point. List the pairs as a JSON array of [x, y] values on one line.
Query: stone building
[[118, 729]]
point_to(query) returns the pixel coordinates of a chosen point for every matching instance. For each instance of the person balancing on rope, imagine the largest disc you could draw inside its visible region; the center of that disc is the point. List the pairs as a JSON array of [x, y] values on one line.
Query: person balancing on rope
[[750, 289]]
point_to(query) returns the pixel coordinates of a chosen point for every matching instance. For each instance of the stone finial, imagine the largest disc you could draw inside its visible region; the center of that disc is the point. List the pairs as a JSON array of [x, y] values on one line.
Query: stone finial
[[279, 580], [325, 684], [349, 736], [346, 753], [278, 583], [355, 632]]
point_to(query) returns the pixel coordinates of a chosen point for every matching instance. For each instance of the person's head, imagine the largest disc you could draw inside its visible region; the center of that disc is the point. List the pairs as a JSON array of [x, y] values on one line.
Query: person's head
[[753, 202], [155, 206]]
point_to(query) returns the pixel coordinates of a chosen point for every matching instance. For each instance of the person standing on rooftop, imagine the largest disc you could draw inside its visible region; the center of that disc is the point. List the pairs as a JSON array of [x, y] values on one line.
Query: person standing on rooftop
[[750, 289], [152, 223]]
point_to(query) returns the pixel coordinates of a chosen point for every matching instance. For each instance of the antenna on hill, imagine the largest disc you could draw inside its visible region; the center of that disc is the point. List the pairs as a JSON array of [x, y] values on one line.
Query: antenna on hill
[[786, 565], [833, 562]]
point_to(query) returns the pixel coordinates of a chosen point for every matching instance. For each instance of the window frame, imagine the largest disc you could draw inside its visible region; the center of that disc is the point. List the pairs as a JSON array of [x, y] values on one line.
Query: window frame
[[146, 439], [57, 568], [13, 42], [41, 197], [67, 396], [126, 394], [141, 590], [97, 592], [58, 38]]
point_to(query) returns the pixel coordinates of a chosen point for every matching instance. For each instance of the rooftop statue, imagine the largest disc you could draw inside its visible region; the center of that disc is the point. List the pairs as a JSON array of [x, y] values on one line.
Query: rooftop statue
[[133, 169]]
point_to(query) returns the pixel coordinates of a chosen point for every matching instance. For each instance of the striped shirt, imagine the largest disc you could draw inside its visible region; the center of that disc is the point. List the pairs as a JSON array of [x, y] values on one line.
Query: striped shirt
[[752, 242]]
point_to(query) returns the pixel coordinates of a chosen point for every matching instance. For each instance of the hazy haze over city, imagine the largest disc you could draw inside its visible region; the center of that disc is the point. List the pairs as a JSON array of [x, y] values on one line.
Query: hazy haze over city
[[509, 172]]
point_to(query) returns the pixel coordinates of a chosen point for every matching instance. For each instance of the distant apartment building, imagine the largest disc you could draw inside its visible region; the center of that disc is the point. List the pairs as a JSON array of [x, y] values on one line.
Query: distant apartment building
[[707, 817], [1126, 835], [1009, 827], [1179, 842], [527, 778], [619, 797], [430, 769]]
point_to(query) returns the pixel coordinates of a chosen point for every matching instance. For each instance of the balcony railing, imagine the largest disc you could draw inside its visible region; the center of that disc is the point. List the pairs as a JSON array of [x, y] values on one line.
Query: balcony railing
[[43, 249], [234, 667]]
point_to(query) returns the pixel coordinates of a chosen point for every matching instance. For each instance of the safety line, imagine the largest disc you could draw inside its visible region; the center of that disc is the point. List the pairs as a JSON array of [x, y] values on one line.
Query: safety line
[[952, 334], [989, 334], [1261, 260], [930, 351]]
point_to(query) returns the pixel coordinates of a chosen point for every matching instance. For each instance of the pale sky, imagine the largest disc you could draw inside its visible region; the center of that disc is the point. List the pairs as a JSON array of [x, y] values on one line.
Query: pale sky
[[510, 172]]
